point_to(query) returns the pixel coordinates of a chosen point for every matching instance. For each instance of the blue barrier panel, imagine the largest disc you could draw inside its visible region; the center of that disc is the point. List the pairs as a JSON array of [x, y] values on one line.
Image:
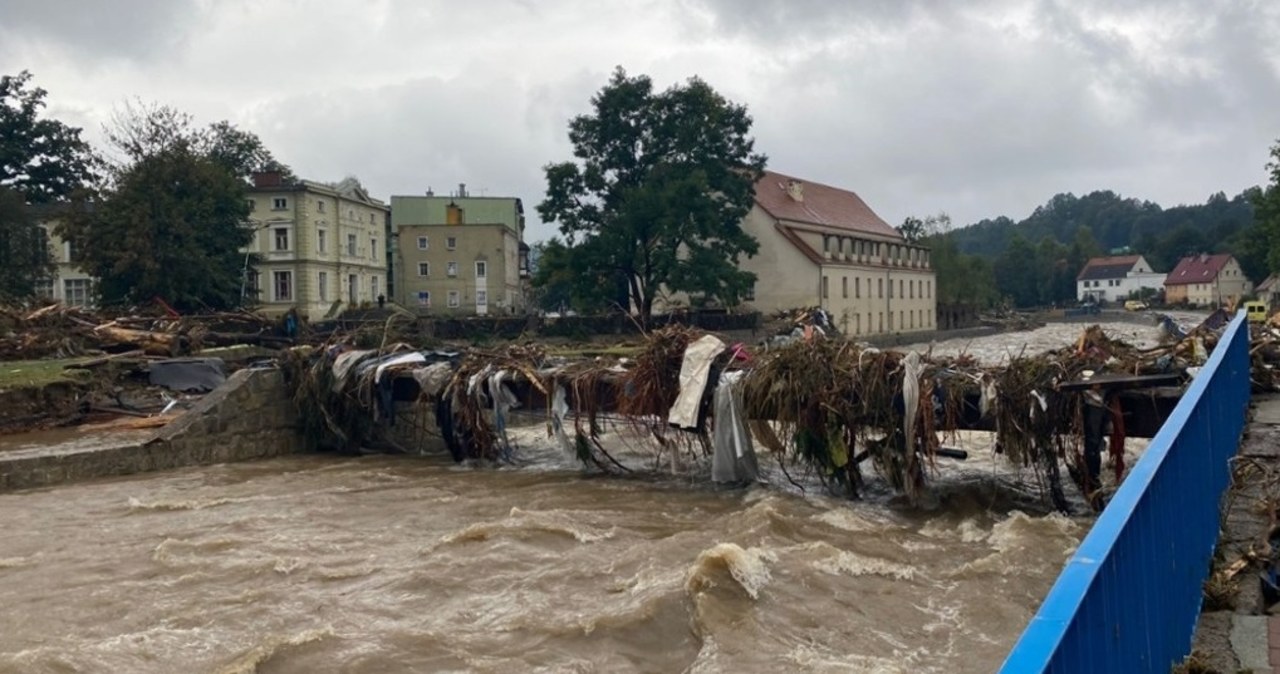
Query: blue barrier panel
[[1129, 599]]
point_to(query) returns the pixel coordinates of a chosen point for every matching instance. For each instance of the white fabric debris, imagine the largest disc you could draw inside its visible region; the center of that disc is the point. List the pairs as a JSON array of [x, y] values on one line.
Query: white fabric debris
[[734, 457], [343, 363], [413, 357], [693, 380], [912, 368], [560, 409], [433, 378]]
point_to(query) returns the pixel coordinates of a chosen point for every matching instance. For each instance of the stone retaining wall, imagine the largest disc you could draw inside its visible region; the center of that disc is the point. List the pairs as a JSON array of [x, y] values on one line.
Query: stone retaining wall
[[248, 417]]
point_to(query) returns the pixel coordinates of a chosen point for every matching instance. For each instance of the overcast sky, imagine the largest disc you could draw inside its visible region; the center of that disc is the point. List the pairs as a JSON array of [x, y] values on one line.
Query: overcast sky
[[978, 109]]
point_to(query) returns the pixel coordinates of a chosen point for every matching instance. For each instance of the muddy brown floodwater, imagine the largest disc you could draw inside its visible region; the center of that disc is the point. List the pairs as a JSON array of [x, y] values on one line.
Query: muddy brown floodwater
[[376, 564], [315, 563]]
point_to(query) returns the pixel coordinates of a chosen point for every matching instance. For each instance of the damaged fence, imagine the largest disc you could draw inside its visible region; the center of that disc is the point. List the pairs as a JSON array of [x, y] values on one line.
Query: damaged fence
[[1129, 598]]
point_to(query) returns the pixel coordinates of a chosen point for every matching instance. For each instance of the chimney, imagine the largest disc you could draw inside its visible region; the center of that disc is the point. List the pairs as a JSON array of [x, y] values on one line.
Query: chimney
[[430, 192], [462, 189], [268, 179], [795, 190]]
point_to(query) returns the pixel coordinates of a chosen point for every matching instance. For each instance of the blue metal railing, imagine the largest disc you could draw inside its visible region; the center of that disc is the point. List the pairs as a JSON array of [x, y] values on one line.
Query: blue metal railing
[[1129, 598]]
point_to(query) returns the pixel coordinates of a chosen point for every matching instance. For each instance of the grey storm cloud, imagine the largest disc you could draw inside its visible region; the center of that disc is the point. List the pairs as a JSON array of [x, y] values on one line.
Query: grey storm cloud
[[100, 30], [979, 109]]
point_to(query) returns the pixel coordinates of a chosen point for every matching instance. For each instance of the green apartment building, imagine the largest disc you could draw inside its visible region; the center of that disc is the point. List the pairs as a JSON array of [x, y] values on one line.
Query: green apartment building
[[459, 254]]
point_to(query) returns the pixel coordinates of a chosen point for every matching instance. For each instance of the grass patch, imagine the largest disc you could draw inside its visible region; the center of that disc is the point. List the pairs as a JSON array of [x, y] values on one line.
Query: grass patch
[[37, 373]]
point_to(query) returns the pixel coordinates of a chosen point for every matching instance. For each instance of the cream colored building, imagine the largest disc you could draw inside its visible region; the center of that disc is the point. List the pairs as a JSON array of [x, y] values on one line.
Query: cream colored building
[[823, 246], [459, 254], [322, 247], [70, 284]]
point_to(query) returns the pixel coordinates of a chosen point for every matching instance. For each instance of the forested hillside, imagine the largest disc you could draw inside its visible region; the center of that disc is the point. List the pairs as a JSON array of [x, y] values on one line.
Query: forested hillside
[[1114, 222]]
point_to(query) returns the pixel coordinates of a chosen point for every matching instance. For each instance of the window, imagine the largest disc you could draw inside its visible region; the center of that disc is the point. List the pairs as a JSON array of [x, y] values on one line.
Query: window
[[844, 289], [424, 298], [482, 298], [911, 290], [373, 286], [900, 295], [857, 287], [252, 204], [252, 283], [422, 243], [351, 214], [373, 249], [322, 284], [451, 269], [890, 289], [482, 269], [351, 245], [353, 288], [282, 238], [750, 294], [372, 221], [319, 206], [75, 292], [424, 269], [44, 288], [282, 283], [455, 300], [451, 243], [824, 287], [320, 240], [279, 204]]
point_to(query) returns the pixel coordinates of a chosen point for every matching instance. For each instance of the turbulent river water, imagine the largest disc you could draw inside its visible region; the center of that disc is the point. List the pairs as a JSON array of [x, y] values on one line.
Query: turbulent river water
[[321, 563]]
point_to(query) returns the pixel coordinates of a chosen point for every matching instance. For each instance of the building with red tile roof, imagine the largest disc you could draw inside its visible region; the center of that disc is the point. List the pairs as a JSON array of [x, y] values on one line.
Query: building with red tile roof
[[824, 246], [1206, 280]]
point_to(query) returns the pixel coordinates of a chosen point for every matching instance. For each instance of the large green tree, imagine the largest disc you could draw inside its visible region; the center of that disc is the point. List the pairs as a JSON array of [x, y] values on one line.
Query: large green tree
[[173, 220], [24, 251], [1266, 204], [655, 196], [41, 159], [140, 130], [562, 280], [172, 227], [1017, 276]]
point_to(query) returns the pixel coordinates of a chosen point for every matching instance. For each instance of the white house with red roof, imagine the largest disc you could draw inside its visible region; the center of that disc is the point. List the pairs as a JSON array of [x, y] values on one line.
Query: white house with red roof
[[823, 246], [1204, 280], [1115, 278]]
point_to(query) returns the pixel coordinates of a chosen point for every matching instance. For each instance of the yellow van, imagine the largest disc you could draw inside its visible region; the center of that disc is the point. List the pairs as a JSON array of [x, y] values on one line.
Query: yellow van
[[1256, 311], [1134, 305]]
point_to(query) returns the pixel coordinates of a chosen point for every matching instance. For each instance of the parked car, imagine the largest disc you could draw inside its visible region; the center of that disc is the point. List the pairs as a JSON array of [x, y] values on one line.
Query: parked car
[[1135, 305], [1256, 312]]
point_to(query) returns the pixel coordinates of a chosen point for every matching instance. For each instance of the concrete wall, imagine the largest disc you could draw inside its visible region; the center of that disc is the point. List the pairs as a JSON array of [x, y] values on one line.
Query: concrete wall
[[248, 417]]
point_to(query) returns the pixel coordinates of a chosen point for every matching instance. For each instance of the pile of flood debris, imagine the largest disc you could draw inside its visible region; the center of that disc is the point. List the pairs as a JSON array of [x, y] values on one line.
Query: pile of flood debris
[[814, 402], [59, 331]]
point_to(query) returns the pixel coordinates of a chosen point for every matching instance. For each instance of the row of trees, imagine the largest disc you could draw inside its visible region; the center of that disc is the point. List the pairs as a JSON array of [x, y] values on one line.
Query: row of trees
[[163, 213], [1035, 261]]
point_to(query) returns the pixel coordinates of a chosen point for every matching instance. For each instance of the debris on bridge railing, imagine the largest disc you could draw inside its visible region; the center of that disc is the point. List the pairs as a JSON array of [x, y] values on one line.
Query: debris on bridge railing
[[821, 404]]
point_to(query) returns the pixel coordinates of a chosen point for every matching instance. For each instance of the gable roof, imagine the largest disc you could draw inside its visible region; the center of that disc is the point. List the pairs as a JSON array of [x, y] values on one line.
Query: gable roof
[[1269, 284], [1117, 266], [819, 204], [1197, 269]]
